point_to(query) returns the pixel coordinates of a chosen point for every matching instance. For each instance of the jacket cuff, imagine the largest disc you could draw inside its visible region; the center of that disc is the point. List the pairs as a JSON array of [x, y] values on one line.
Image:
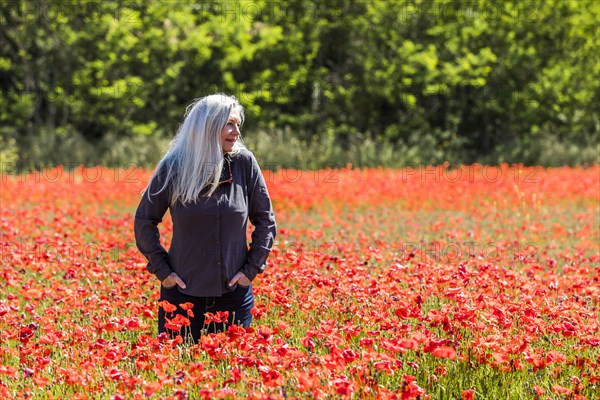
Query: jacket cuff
[[163, 272], [249, 271]]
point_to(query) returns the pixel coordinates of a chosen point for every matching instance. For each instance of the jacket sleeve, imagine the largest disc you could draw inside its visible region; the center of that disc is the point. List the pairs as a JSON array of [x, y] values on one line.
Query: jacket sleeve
[[148, 215], [261, 215]]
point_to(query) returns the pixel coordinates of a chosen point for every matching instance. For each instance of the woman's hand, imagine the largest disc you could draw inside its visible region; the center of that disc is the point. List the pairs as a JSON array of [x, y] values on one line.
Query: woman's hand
[[240, 279], [172, 280]]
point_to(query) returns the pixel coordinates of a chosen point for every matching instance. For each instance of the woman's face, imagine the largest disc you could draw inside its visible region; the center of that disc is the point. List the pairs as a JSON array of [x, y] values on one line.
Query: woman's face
[[230, 132]]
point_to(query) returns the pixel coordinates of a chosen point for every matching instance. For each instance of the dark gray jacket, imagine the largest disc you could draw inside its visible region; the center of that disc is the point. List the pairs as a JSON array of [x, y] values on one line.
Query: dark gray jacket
[[209, 244]]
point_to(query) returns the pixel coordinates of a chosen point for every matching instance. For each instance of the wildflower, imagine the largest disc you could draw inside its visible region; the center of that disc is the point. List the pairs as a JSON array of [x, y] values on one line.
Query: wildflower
[[167, 307]]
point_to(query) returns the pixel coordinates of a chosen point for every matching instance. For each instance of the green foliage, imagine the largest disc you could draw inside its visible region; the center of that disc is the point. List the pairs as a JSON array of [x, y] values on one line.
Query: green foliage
[[8, 151], [366, 82]]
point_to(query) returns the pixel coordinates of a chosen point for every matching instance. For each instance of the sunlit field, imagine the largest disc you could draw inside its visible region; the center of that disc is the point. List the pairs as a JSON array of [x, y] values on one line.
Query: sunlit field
[[420, 283]]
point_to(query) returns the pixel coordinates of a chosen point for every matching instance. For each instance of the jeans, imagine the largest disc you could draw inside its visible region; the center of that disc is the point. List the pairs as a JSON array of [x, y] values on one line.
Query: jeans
[[238, 303]]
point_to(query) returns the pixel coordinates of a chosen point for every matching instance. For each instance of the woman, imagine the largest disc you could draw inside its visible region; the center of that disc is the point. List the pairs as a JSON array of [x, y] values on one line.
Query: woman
[[211, 184]]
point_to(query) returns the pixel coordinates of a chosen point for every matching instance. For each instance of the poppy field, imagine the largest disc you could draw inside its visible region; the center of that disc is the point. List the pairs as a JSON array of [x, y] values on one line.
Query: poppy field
[[477, 282]]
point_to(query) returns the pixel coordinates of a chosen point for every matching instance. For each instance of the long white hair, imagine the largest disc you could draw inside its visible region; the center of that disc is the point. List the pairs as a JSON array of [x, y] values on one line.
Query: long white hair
[[194, 160]]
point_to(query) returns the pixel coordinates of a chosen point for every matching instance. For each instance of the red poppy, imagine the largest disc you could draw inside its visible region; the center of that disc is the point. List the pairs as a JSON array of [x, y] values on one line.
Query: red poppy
[[209, 318], [444, 352], [560, 389], [221, 316], [175, 324], [188, 308], [343, 387], [167, 307]]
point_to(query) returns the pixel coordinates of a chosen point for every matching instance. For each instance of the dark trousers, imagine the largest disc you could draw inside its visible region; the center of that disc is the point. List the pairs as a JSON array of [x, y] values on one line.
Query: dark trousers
[[238, 303]]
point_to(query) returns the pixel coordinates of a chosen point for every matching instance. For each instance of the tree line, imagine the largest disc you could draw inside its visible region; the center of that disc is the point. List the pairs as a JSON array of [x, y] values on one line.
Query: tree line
[[323, 82]]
